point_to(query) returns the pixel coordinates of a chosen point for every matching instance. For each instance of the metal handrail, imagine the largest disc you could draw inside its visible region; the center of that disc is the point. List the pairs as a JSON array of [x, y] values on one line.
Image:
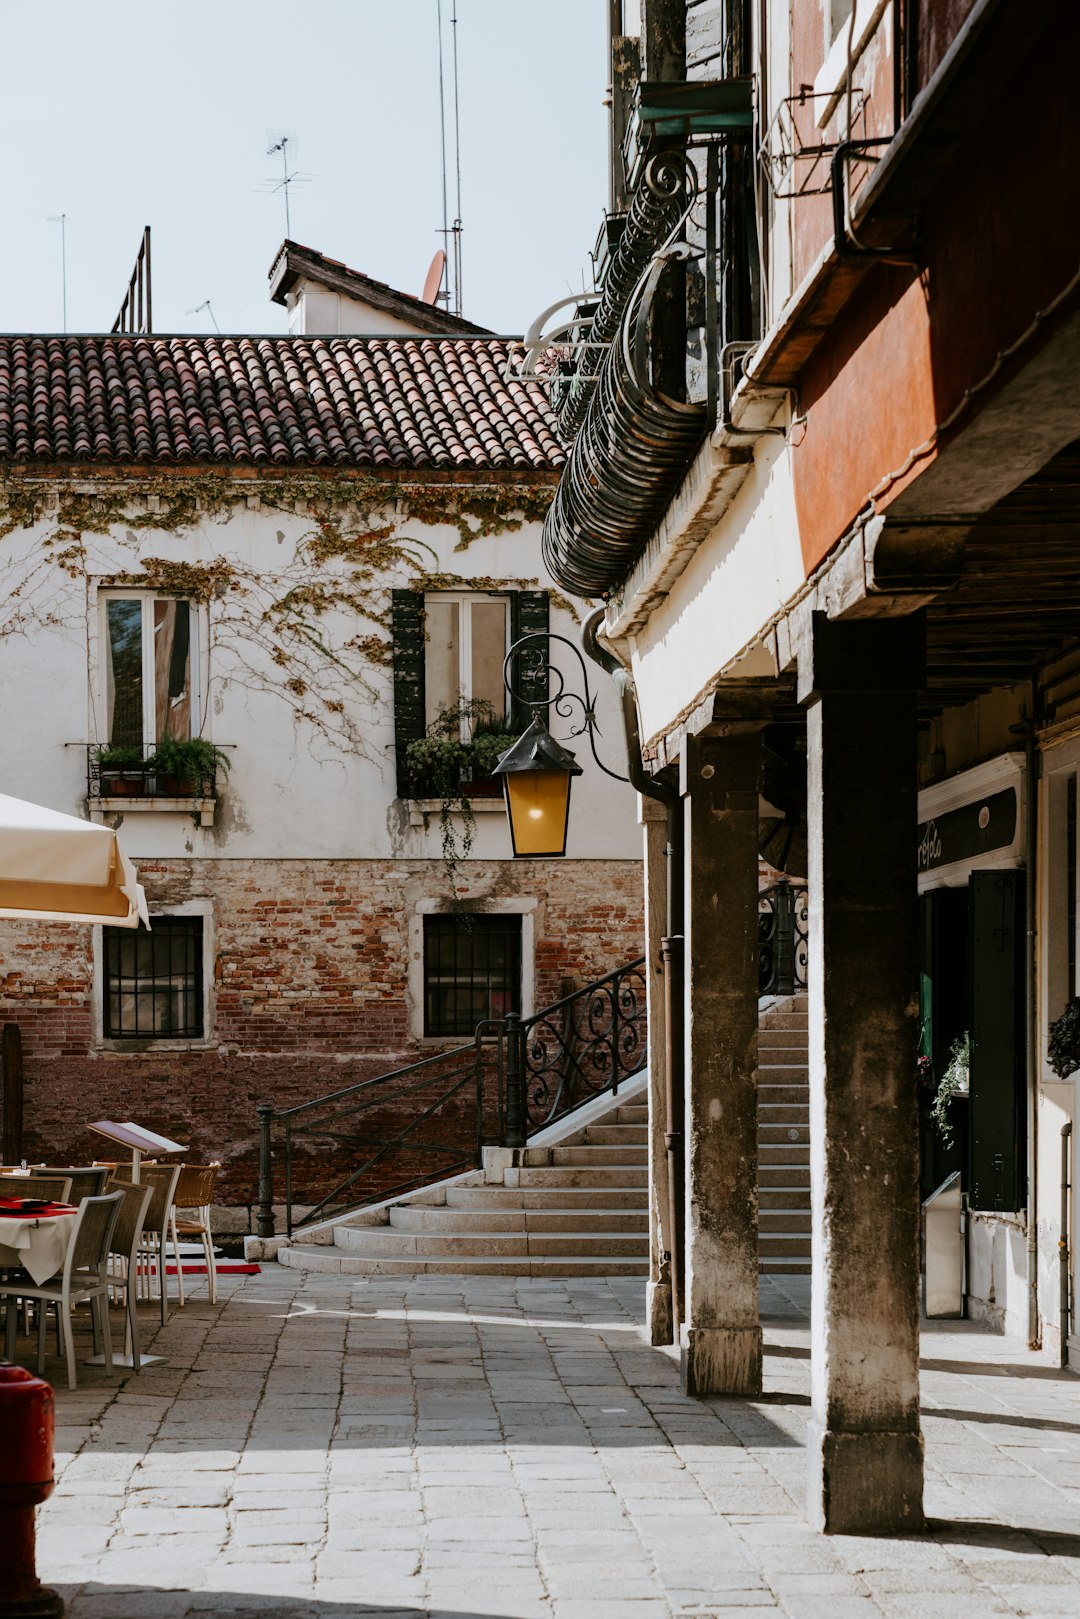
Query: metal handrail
[[513, 1078]]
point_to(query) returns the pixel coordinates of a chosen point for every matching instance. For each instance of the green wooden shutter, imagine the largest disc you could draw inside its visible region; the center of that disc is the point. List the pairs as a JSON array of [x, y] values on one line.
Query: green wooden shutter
[[529, 615], [407, 622], [998, 1103]]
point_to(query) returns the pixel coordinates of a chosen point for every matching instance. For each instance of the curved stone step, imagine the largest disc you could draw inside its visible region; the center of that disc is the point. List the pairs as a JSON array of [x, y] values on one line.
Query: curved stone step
[[331, 1259], [379, 1242], [616, 1221]]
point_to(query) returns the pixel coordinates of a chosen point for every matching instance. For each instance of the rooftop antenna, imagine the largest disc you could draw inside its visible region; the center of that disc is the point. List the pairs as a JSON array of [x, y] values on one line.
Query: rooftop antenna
[[208, 306], [444, 295], [457, 161], [61, 220], [285, 142]]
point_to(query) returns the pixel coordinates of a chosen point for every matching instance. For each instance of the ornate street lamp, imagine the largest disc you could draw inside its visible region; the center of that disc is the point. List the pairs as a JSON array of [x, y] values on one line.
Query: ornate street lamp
[[537, 771]]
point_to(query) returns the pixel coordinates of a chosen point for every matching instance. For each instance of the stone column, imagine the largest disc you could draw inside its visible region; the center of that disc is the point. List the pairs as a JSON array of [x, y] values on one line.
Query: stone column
[[653, 817], [721, 1336], [858, 681]]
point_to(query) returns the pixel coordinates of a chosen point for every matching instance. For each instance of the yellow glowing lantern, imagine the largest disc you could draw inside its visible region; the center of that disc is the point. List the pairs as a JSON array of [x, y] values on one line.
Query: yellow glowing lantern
[[536, 774]]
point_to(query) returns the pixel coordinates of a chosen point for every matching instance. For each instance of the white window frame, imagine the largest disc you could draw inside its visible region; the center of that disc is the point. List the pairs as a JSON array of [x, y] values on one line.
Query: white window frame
[[132, 1044], [465, 600], [517, 905], [148, 600]]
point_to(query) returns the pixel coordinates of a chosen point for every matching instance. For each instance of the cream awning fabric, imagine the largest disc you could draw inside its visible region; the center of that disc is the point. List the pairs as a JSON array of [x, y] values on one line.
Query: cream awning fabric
[[56, 868]]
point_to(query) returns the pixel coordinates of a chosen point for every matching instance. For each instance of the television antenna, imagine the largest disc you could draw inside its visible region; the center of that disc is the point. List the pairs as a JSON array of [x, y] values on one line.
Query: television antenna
[[284, 141], [61, 220], [451, 234], [208, 306]]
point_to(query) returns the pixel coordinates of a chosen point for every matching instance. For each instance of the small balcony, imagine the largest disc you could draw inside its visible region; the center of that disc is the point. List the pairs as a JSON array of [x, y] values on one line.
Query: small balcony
[[159, 778]]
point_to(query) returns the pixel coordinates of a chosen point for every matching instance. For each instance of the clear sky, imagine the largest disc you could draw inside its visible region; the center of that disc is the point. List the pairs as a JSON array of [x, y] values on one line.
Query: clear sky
[[123, 113]]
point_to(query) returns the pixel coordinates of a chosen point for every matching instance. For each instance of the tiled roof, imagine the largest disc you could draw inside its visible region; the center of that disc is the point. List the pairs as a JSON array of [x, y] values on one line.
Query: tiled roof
[[295, 262], [276, 401]]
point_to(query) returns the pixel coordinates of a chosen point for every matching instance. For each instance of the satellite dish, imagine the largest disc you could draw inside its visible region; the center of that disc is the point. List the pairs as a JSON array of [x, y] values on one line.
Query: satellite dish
[[433, 279]]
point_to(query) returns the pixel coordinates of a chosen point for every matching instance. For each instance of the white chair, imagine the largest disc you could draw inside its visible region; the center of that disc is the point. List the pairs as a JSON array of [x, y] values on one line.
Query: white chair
[[84, 1278]]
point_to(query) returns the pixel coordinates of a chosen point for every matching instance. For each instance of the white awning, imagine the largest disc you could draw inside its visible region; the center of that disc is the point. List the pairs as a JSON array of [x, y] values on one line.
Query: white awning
[[56, 868]]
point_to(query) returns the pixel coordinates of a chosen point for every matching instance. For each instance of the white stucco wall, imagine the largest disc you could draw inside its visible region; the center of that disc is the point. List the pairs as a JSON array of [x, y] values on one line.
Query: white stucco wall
[[318, 310], [292, 792], [740, 575]]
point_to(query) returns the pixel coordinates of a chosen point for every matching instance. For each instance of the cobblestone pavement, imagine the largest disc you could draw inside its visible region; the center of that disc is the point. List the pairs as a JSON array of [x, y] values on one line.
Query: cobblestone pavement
[[318, 1447]]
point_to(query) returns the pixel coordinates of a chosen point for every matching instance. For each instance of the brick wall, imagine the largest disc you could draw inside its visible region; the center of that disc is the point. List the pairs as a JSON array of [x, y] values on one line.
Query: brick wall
[[308, 971]]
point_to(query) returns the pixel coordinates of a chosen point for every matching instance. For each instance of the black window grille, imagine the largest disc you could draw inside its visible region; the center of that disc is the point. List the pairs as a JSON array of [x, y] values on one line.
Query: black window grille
[[472, 971], [154, 981]]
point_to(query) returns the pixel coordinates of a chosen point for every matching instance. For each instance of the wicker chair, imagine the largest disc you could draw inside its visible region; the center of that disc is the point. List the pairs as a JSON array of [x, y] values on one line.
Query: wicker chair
[[87, 1180], [195, 1190], [53, 1187], [84, 1278], [161, 1178], [124, 1254]]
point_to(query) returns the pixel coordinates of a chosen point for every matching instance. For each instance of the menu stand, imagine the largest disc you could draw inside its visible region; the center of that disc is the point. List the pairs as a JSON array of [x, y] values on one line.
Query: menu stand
[[139, 1140]]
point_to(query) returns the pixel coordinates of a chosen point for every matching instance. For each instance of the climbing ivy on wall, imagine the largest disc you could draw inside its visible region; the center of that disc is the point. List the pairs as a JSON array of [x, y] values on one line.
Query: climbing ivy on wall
[[310, 629]]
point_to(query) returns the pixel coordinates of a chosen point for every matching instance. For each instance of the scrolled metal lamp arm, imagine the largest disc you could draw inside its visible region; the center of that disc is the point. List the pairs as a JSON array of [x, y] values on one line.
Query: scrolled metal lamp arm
[[536, 643]]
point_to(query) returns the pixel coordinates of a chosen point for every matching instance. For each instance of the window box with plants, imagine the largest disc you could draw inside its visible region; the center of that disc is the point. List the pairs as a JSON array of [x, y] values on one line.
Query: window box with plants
[[186, 769], [449, 769], [173, 775]]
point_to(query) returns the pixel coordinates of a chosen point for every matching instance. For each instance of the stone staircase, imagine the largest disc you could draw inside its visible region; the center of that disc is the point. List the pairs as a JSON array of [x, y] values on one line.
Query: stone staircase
[[784, 1139], [578, 1205]]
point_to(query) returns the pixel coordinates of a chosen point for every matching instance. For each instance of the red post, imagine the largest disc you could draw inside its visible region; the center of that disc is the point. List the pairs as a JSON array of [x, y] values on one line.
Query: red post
[[26, 1479]]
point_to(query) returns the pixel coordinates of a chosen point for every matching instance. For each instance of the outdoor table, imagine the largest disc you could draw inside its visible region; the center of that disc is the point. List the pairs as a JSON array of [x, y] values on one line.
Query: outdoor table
[[36, 1241]]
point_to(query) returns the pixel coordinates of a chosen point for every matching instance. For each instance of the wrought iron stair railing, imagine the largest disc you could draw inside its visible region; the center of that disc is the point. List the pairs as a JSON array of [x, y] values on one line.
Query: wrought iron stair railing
[[397, 1132]]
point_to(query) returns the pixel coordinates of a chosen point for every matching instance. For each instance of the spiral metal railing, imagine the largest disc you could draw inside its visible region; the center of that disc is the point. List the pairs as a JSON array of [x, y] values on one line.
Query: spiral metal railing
[[627, 461], [660, 205], [782, 938], [392, 1134]]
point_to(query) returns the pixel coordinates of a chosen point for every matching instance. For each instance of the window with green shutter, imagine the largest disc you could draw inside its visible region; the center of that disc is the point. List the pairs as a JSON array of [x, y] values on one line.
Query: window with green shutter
[[449, 650]]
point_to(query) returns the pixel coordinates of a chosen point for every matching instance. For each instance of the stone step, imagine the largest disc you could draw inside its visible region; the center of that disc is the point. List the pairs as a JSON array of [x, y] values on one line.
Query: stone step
[[332, 1259], [623, 1176], [776, 1113], [771, 1174], [793, 1022], [784, 1093], [784, 1197], [784, 1221], [377, 1242], [777, 1073], [632, 1113], [547, 1197], [776, 1245], [775, 1135], [590, 1155], [784, 1265], [616, 1221], [617, 1135]]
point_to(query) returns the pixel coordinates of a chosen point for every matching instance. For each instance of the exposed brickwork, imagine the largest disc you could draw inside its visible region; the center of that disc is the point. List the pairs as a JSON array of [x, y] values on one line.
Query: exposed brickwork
[[309, 964]]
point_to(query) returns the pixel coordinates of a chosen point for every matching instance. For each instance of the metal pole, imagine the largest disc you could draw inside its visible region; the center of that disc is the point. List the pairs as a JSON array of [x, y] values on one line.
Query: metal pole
[[265, 1218], [515, 1082], [1063, 1245]]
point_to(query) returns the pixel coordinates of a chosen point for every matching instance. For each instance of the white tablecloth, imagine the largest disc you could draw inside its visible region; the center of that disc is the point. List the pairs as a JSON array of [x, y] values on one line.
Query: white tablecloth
[[37, 1243]]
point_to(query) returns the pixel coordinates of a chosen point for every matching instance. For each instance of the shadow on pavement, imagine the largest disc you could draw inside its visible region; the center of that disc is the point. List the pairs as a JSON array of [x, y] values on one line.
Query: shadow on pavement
[[999, 1537], [95, 1601]]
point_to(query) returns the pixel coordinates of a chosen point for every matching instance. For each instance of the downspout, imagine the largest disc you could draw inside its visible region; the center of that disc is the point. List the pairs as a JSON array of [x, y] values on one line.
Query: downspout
[[671, 948], [1063, 1247], [1030, 896]]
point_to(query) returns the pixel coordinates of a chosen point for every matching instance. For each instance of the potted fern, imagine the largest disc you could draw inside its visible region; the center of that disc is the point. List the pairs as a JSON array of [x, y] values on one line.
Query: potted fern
[[455, 769], [121, 769], [187, 768]]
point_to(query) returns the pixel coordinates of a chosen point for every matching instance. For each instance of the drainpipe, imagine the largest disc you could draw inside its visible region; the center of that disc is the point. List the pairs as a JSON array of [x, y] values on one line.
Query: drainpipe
[[671, 949], [1063, 1245], [1031, 766]]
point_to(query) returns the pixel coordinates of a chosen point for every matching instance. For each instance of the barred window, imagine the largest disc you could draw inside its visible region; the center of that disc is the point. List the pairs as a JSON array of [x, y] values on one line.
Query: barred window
[[154, 981], [472, 971]]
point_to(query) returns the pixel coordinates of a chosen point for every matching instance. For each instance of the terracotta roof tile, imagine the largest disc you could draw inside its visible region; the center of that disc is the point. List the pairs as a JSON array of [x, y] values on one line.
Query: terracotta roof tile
[[411, 402]]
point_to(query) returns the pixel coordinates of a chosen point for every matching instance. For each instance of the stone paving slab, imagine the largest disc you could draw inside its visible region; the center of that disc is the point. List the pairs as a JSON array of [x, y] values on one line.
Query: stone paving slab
[[320, 1446]]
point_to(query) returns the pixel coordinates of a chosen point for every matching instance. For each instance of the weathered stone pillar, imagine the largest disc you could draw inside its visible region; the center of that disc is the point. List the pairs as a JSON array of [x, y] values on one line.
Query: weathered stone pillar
[[653, 817], [858, 681], [721, 1335]]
